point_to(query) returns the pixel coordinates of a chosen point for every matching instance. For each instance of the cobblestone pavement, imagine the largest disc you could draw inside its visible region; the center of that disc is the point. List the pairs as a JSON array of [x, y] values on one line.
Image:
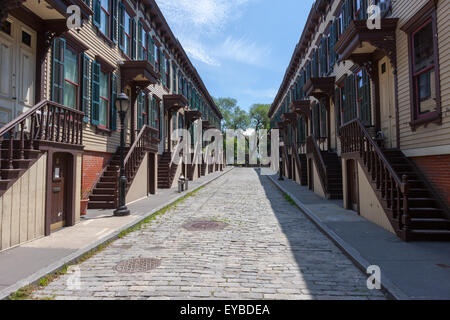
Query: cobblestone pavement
[[269, 250]]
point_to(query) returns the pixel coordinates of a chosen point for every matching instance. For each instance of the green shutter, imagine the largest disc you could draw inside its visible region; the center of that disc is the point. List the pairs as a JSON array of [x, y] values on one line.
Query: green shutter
[[114, 85], [121, 26], [168, 70], [140, 41], [96, 18], [315, 64], [86, 86], [114, 20], [133, 39], [337, 109], [95, 94], [365, 98], [140, 110], [161, 63], [151, 50], [59, 47]]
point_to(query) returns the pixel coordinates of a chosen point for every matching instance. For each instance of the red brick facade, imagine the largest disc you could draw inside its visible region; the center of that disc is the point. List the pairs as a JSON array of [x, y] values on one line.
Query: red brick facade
[[93, 164], [437, 170]]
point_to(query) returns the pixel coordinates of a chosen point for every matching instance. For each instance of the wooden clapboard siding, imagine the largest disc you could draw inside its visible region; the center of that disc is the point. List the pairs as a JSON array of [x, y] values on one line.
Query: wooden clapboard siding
[[22, 212], [433, 135]]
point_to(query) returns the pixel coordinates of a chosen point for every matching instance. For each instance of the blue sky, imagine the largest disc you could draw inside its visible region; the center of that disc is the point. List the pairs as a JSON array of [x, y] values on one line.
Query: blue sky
[[241, 48]]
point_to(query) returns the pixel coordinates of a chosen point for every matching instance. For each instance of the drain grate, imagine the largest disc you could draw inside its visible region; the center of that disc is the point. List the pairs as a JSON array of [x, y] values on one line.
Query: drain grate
[[205, 226], [137, 265]]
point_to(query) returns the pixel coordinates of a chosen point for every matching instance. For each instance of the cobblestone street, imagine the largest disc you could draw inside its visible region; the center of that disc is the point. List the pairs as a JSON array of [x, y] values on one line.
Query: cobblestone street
[[265, 248]]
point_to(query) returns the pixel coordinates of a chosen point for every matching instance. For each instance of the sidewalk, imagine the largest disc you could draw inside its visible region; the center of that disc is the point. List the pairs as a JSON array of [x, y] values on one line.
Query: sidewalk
[[415, 270], [29, 262]]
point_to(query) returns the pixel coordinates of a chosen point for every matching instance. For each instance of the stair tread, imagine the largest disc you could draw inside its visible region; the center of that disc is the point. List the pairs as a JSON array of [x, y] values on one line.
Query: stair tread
[[428, 231]]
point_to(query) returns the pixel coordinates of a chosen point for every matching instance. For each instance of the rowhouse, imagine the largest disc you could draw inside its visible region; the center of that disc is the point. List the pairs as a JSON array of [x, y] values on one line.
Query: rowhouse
[[58, 89], [363, 116]]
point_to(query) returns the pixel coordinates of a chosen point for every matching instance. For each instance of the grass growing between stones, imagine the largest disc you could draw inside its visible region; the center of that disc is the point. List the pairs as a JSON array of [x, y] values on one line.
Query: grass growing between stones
[[25, 293], [289, 199]]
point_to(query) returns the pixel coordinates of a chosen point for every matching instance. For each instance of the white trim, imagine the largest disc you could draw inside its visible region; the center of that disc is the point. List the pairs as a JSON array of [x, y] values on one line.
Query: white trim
[[431, 151]]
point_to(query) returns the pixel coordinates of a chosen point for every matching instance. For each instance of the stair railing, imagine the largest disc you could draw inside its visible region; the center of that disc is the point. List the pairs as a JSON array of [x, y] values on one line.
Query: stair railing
[[298, 163], [134, 156], [47, 121], [313, 148], [394, 190]]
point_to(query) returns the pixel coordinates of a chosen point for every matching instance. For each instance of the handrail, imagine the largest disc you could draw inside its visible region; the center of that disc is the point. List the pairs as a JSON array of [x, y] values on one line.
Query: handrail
[[377, 150], [47, 121], [312, 147], [394, 190]]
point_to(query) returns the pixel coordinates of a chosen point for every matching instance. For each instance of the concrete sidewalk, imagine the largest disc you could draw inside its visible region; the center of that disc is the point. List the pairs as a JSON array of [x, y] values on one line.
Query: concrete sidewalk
[[27, 263], [415, 270]]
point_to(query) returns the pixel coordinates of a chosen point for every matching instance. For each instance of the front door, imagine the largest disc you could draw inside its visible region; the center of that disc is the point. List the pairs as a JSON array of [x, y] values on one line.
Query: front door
[[387, 108], [352, 185], [59, 191], [17, 69]]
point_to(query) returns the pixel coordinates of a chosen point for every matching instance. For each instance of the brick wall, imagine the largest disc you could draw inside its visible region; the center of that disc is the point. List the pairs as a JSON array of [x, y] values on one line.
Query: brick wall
[[437, 170], [93, 164]]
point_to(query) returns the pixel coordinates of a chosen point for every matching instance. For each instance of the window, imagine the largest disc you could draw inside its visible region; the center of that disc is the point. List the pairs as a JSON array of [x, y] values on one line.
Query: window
[[424, 66], [104, 99], [127, 32], [105, 17], [364, 96], [142, 42], [348, 100], [141, 110], [167, 75], [6, 27], [71, 79], [423, 69]]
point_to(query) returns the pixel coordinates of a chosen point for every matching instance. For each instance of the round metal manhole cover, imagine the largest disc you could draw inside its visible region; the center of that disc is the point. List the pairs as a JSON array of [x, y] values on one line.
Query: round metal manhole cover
[[205, 226], [137, 265]]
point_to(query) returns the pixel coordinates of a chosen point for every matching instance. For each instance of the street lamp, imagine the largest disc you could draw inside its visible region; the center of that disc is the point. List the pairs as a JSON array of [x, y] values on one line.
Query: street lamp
[[281, 162], [122, 105]]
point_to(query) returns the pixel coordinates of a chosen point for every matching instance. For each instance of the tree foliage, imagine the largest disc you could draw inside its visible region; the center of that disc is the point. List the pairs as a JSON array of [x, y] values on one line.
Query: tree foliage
[[259, 116]]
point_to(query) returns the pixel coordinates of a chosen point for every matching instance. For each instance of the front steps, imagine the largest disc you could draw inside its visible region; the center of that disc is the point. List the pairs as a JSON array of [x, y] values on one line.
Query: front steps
[[166, 171], [334, 175]]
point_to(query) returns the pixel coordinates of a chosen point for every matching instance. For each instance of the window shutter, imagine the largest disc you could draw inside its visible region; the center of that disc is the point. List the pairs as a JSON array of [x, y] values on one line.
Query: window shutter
[[140, 42], [151, 50], [168, 71], [337, 109], [161, 63], [95, 94], [114, 84], [332, 44], [315, 64], [121, 26], [140, 110], [59, 47], [114, 20], [96, 18], [133, 39], [86, 86]]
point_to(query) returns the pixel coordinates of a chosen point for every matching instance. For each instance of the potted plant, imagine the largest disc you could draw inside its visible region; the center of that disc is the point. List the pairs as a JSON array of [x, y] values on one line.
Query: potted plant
[[84, 205]]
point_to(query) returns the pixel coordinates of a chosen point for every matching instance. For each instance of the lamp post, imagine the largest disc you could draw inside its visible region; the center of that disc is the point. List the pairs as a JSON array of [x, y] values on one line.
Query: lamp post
[[281, 162], [122, 104]]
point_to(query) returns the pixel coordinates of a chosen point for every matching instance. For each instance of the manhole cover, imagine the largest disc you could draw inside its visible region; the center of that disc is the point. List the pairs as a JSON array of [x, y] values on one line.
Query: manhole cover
[[137, 265], [205, 226]]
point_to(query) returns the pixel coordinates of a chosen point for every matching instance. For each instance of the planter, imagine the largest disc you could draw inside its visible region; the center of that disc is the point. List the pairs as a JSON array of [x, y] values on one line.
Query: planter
[[83, 207]]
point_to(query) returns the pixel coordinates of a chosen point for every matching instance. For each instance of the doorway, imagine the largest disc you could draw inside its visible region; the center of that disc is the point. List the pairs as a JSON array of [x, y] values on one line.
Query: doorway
[[387, 106], [17, 69], [310, 175], [59, 191], [352, 185], [152, 173]]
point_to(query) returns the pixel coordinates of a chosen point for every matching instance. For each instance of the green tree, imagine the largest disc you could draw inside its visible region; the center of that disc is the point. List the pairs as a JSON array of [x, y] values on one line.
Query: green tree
[[259, 116], [233, 116], [240, 119]]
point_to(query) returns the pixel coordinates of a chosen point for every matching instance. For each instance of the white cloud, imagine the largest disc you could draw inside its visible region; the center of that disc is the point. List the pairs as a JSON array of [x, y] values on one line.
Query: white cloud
[[208, 15], [197, 51], [244, 51]]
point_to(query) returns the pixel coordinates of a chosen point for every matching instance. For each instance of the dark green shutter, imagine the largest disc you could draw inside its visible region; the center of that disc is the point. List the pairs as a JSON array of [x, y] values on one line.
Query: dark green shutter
[[315, 64], [114, 85], [151, 50], [161, 63], [140, 110], [95, 94], [365, 98], [337, 109], [133, 39], [323, 121], [85, 86], [114, 20], [121, 26], [96, 18], [140, 41], [332, 43], [59, 47]]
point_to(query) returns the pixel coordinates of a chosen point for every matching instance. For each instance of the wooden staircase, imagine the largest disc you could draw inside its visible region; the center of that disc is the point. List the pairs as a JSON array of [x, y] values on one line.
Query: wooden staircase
[[105, 193], [21, 139], [414, 210], [428, 215], [334, 175], [203, 169], [329, 168], [166, 171]]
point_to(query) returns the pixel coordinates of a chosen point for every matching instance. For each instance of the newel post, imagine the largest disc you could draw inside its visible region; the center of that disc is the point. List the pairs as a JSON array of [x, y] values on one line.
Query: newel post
[[406, 219]]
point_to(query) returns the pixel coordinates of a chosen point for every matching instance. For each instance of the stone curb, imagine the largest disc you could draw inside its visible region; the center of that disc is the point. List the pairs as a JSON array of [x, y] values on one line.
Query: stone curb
[[388, 287], [74, 257]]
